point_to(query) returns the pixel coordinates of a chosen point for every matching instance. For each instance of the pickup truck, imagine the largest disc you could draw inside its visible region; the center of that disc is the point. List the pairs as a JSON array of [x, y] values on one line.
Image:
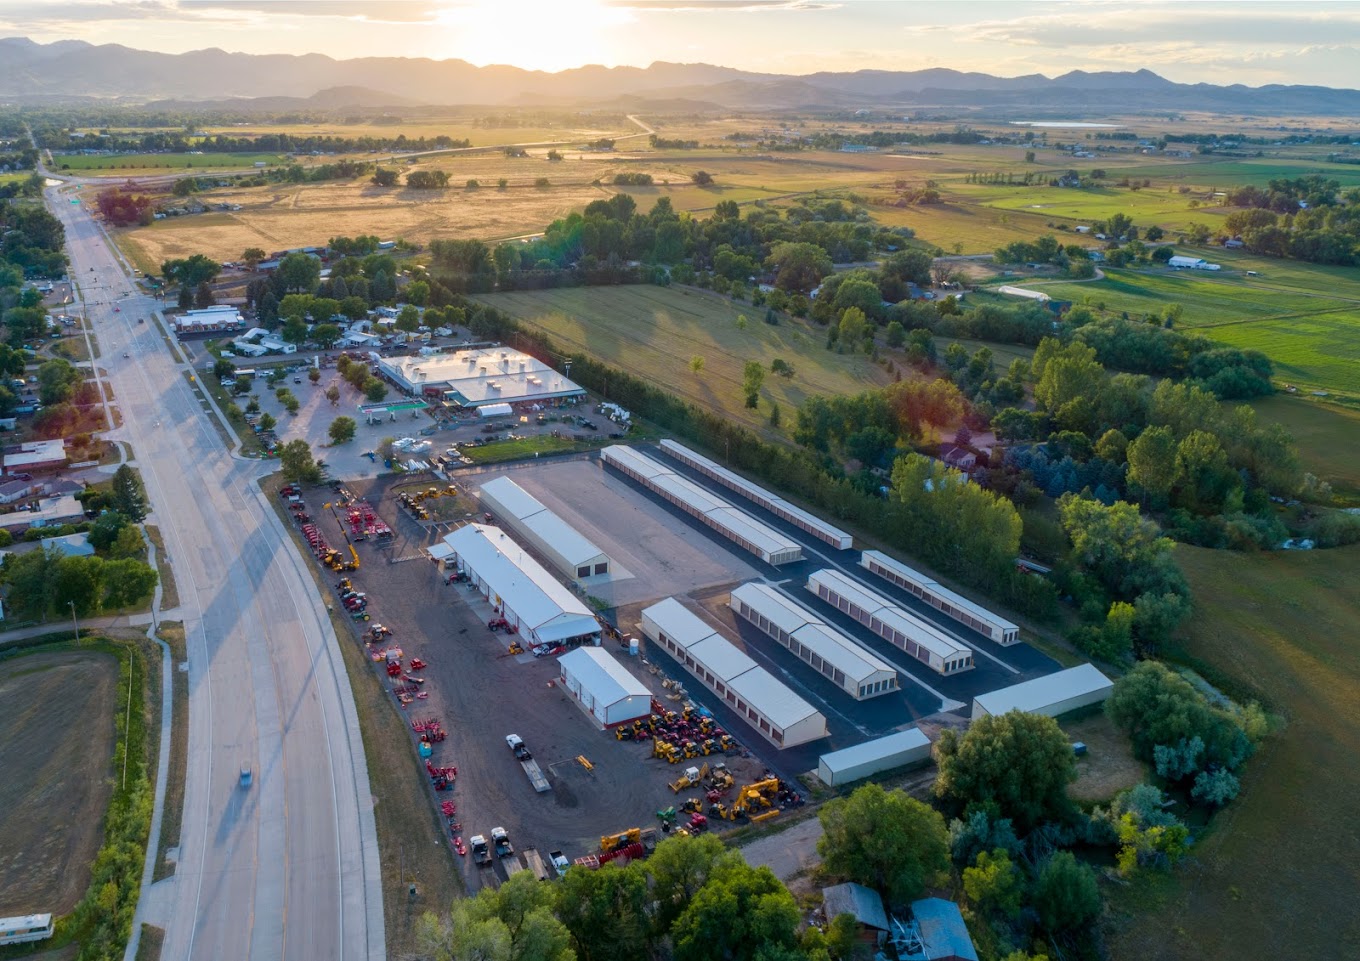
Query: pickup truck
[[500, 838], [526, 761], [559, 862], [481, 851]]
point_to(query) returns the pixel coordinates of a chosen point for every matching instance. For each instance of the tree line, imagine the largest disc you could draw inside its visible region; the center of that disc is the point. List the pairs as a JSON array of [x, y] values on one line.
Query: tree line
[[56, 139]]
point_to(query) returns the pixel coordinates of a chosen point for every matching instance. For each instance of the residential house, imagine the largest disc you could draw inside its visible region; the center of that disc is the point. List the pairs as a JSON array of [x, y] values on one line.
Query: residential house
[[960, 458]]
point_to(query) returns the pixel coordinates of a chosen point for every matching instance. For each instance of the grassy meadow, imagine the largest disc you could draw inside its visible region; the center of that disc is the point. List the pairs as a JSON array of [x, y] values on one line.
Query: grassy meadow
[[161, 163], [652, 332], [1276, 875], [1326, 437]]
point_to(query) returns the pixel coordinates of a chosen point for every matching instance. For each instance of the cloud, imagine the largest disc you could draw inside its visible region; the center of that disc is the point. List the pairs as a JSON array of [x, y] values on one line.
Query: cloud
[[38, 12], [740, 6], [371, 11]]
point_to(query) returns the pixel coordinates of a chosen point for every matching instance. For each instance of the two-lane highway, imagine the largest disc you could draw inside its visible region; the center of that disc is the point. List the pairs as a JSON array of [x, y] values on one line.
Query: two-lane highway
[[287, 867]]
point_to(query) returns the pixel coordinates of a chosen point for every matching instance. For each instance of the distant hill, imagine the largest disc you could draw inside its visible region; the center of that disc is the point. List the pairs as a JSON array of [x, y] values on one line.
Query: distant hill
[[74, 70]]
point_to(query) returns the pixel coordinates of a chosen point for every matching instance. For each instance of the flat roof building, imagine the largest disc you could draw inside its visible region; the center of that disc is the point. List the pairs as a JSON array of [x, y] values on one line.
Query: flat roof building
[[764, 702], [575, 555], [217, 317], [873, 757], [906, 631], [526, 594], [35, 455], [603, 687], [941, 598], [759, 538], [852, 668], [472, 378], [1051, 695]]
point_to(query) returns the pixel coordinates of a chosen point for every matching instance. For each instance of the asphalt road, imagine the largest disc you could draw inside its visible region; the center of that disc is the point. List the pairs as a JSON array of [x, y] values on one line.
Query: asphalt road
[[288, 867]]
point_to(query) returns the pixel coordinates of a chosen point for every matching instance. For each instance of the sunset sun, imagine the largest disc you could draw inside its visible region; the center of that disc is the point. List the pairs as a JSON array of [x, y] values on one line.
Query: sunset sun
[[535, 34]]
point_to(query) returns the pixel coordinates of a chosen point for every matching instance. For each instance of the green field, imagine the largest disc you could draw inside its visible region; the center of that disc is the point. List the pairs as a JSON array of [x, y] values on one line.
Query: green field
[[1326, 437], [652, 332], [1232, 173], [1276, 876], [1148, 206], [1316, 351], [163, 161]]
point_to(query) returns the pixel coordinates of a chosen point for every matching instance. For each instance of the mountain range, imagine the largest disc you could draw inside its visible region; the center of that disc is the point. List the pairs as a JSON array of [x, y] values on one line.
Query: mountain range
[[73, 70]]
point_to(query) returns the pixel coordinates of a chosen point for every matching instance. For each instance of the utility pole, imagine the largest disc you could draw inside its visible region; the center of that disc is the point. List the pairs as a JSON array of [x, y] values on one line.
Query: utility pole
[[74, 623]]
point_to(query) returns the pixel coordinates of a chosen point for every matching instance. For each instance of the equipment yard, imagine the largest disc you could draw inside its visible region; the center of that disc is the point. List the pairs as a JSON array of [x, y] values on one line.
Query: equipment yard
[[57, 785], [465, 682]]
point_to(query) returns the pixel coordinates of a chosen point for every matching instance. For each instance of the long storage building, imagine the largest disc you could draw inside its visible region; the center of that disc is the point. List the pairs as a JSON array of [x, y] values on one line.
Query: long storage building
[[896, 750], [1051, 695], [603, 687], [780, 715], [760, 539], [922, 641], [941, 598], [575, 555], [799, 518], [526, 594], [852, 668]]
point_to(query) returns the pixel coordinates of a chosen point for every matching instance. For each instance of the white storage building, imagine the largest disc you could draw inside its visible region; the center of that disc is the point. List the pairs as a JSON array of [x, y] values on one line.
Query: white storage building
[[922, 641], [527, 595], [604, 687], [575, 555], [780, 715], [941, 598], [1050, 696], [852, 668], [760, 539], [777, 506], [1029, 294], [872, 757]]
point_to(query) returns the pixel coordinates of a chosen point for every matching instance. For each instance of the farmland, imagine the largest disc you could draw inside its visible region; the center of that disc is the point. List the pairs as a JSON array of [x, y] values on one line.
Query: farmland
[[1276, 875], [1325, 435], [56, 786], [162, 163], [652, 332]]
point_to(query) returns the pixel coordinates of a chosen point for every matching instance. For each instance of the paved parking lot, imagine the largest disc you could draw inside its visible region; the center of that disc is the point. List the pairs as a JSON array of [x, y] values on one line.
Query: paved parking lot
[[481, 693]]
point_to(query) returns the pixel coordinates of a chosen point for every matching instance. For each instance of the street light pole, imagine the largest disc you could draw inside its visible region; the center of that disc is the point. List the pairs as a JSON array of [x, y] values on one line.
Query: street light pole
[[74, 623]]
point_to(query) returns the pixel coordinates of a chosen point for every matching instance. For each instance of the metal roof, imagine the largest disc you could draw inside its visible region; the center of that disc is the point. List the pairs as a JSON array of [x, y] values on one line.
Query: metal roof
[[812, 632], [536, 597], [721, 657], [634, 461], [1043, 692], [607, 680], [880, 747], [518, 505], [943, 932], [958, 600], [863, 904], [768, 696], [878, 606], [511, 499], [679, 623]]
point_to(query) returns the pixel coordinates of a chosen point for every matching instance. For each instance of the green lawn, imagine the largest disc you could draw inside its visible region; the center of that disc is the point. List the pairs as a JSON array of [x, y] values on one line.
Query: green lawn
[[652, 332], [1316, 351], [1232, 173], [163, 161], [1276, 876], [1325, 434], [1148, 206]]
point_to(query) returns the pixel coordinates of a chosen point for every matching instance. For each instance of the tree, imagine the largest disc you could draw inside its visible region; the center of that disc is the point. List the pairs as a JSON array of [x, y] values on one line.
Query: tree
[[1155, 706], [57, 382], [886, 840], [203, 296], [1152, 461], [680, 867], [512, 923], [252, 257], [32, 581], [994, 883], [105, 530], [342, 430], [333, 394], [854, 329], [191, 271], [605, 911], [798, 266], [128, 545], [696, 364], [408, 320], [1066, 895], [741, 914], [701, 178], [385, 178], [223, 368], [895, 335], [1019, 762], [79, 581], [128, 494], [375, 390], [325, 336], [267, 423], [126, 583], [752, 378], [297, 463], [299, 273], [314, 375]]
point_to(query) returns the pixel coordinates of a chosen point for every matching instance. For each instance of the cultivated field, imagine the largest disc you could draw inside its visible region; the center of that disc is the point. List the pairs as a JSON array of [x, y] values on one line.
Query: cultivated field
[[1276, 877], [56, 739], [652, 332], [1325, 434], [162, 163]]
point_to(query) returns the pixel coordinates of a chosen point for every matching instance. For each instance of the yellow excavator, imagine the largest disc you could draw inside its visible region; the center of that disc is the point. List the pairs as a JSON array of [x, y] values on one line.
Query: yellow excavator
[[612, 842]]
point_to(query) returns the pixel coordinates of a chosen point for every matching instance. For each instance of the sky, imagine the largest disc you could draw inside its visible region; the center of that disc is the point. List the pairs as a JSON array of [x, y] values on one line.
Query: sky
[[1253, 43]]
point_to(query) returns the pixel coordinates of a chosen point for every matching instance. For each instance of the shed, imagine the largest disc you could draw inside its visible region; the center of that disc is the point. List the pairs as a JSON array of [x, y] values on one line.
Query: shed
[[1181, 263], [572, 553], [873, 757], [941, 933], [1029, 294], [603, 687], [863, 904], [1051, 695], [495, 410]]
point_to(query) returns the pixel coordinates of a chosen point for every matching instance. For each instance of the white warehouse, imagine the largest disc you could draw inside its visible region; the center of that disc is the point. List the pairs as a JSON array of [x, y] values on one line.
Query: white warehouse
[[780, 715], [799, 518], [1050, 696], [760, 539], [527, 595], [922, 641], [941, 598], [603, 687], [852, 668], [575, 555], [911, 746]]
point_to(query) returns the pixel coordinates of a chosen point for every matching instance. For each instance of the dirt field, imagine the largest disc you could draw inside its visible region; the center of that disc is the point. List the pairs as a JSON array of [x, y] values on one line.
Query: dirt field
[[1108, 766], [56, 741]]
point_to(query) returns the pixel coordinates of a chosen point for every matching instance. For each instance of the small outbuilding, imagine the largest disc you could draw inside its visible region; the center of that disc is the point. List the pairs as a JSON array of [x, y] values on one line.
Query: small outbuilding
[[899, 749], [937, 933], [603, 687], [861, 903], [1051, 695]]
